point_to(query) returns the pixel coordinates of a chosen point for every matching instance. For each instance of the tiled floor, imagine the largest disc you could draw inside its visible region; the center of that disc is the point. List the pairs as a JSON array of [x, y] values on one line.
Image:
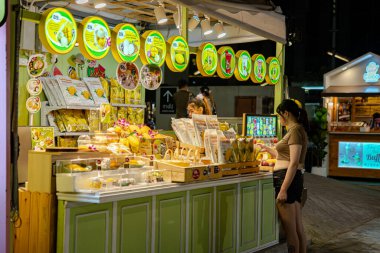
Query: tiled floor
[[340, 217]]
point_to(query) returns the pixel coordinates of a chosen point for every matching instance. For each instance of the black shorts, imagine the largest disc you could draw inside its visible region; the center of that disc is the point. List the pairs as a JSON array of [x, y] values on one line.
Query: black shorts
[[295, 189]]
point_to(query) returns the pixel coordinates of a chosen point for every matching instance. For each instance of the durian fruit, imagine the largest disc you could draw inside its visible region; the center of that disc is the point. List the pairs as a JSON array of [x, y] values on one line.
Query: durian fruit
[[134, 143], [145, 129]]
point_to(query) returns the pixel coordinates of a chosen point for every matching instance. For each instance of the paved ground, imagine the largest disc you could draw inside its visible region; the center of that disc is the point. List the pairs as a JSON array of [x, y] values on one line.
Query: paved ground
[[340, 217]]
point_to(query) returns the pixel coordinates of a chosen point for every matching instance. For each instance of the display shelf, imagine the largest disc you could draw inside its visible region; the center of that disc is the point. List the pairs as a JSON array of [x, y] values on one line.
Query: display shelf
[[128, 105]]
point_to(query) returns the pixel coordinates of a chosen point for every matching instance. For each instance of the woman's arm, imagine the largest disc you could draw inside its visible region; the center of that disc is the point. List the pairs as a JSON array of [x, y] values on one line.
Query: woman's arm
[[295, 154], [271, 151]]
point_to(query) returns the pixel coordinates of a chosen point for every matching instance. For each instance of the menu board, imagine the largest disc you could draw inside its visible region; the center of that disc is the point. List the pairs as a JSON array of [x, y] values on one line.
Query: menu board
[[177, 57], [274, 71], [261, 126], [125, 43], [94, 38], [226, 63], [244, 65], [259, 68], [207, 59], [359, 155], [154, 48], [57, 30]]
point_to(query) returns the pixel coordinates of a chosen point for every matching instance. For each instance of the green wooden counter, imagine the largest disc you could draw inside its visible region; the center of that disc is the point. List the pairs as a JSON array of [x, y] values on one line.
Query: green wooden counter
[[236, 214]]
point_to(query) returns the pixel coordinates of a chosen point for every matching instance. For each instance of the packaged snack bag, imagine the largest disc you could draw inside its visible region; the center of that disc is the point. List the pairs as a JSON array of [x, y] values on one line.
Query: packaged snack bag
[[200, 125], [212, 122], [211, 144], [97, 91], [106, 87], [225, 150]]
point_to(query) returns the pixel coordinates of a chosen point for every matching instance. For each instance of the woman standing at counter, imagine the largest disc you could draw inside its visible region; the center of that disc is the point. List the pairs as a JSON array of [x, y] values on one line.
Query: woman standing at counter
[[287, 177]]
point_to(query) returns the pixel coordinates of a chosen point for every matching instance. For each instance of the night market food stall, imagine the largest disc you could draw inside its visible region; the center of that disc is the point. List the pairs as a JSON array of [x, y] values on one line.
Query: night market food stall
[[100, 180], [352, 99]]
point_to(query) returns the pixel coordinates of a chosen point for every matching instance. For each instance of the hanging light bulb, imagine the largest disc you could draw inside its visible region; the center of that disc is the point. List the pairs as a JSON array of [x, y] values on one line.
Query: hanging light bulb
[[159, 11], [98, 4], [219, 29], [193, 22], [81, 1], [206, 27]]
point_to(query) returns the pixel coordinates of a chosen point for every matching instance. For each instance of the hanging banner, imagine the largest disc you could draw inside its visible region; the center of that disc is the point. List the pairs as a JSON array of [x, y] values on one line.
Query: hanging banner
[[226, 63], [154, 48], [177, 57], [259, 68], [58, 31], [125, 43], [207, 59], [274, 71], [244, 65], [94, 38]]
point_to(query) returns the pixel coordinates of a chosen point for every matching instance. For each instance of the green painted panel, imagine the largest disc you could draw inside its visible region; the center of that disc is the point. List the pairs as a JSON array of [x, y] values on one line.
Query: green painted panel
[[60, 226], [134, 226], [226, 219], [268, 212], [170, 223], [91, 228], [249, 198], [201, 220]]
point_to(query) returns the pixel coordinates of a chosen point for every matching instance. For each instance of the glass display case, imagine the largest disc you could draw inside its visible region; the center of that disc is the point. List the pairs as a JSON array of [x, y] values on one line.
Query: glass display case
[[359, 155], [108, 174]]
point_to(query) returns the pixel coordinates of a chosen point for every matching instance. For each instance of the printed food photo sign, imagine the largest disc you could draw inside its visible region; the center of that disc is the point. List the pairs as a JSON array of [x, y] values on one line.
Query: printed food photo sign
[[244, 65], [151, 76], [259, 68], [127, 75], [33, 104], [154, 46], [274, 71], [207, 59], [226, 63], [58, 31], [34, 87], [36, 65], [177, 57], [42, 138], [125, 43], [94, 38]]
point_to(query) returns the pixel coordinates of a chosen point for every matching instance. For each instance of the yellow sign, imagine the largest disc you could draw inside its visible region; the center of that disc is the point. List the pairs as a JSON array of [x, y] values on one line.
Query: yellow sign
[[274, 71], [57, 31], [125, 43], [259, 68], [207, 59], [226, 63], [154, 48], [94, 38], [177, 58]]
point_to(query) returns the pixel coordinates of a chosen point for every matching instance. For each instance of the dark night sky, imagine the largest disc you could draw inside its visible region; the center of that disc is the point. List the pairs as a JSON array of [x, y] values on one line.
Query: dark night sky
[[358, 32]]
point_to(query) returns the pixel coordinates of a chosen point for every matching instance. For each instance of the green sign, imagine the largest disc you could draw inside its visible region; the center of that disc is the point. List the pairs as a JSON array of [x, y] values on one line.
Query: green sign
[[274, 70], [94, 38], [244, 66], [154, 48], [227, 62], [259, 68], [3, 11], [207, 59]]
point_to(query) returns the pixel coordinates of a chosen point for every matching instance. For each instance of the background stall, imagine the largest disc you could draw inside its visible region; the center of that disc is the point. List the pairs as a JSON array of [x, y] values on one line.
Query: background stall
[[352, 97]]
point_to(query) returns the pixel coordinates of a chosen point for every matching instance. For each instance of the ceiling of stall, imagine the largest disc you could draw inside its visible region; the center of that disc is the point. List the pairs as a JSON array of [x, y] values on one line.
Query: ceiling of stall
[[256, 17]]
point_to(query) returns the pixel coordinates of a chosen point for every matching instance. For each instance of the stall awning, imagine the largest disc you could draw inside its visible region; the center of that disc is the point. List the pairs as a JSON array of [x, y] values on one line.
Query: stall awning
[[351, 91]]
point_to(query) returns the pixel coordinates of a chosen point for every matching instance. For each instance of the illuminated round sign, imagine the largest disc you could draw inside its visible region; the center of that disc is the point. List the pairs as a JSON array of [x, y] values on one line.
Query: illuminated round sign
[[154, 48], [125, 43], [177, 57], [94, 38], [57, 31], [274, 71], [244, 65], [226, 63], [259, 68], [207, 59]]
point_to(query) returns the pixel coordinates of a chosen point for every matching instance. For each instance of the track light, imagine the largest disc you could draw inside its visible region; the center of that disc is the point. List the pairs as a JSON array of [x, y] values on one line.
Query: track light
[[159, 11], [81, 1], [206, 27], [193, 22], [219, 29], [98, 4]]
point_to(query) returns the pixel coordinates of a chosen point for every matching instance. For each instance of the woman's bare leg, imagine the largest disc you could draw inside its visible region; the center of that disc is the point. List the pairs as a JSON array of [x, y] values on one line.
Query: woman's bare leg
[[287, 214], [300, 230]]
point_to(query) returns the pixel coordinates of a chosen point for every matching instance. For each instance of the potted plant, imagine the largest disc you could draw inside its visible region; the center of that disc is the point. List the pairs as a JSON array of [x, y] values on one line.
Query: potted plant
[[319, 139]]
